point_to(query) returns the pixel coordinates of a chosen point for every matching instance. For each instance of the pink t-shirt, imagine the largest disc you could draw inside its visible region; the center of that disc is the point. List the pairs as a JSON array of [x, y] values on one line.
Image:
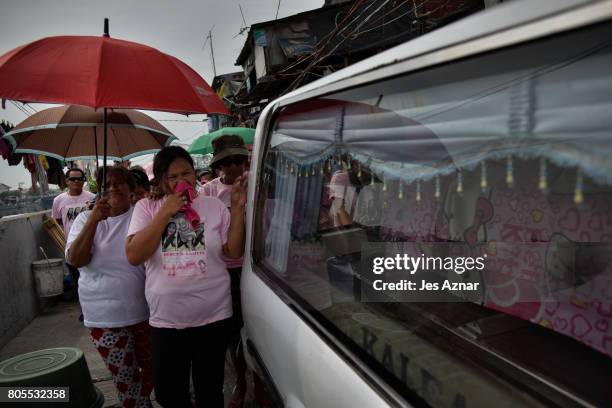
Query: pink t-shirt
[[67, 207], [215, 188], [187, 283]]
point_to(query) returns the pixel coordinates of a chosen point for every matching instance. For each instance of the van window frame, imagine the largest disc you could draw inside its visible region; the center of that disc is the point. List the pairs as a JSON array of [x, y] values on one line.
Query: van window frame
[[383, 383]]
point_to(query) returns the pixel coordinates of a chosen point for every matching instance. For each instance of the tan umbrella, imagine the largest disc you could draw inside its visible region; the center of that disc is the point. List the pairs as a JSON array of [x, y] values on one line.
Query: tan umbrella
[[75, 132]]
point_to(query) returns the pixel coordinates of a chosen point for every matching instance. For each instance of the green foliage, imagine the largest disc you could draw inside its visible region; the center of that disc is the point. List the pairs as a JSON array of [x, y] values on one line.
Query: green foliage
[[92, 185]]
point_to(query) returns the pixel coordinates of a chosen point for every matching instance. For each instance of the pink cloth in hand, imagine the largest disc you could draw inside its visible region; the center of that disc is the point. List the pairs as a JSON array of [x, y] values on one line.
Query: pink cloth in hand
[[187, 189]]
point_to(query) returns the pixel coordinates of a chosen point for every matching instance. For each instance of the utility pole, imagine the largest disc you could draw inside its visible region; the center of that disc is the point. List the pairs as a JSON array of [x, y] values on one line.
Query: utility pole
[[212, 52], [244, 27]]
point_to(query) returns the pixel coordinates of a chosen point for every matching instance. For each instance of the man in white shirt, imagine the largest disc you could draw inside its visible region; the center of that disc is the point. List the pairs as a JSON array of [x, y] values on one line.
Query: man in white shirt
[[69, 204]]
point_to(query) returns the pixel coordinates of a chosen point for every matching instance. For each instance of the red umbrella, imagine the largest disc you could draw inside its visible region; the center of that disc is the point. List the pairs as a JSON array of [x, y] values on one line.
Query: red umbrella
[[103, 72]]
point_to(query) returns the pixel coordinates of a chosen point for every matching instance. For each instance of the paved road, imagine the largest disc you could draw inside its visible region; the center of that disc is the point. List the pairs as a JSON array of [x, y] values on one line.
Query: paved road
[[58, 326]]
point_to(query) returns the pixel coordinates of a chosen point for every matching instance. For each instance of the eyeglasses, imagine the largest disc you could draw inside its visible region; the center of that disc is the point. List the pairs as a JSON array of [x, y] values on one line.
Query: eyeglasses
[[228, 161], [76, 178]]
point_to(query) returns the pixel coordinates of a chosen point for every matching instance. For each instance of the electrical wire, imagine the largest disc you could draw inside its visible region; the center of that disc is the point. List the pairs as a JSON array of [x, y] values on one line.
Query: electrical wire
[[305, 72], [25, 112], [238, 105], [355, 36], [390, 11], [336, 33], [277, 8], [19, 108], [29, 108], [352, 34], [323, 42], [320, 52], [382, 25], [430, 12]]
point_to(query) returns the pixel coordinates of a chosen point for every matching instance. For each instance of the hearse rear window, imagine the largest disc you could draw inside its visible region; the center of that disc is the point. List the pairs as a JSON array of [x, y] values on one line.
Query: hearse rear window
[[502, 161]]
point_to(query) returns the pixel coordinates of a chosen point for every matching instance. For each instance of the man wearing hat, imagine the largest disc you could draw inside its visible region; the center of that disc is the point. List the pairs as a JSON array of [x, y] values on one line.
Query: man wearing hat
[[230, 156]]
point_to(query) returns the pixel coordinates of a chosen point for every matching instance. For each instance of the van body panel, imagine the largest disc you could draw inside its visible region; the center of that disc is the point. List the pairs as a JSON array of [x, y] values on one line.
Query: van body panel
[[306, 371]]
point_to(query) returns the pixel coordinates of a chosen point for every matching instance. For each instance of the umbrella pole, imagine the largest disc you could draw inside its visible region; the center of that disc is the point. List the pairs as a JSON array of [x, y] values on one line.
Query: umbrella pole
[[96, 147], [103, 186]]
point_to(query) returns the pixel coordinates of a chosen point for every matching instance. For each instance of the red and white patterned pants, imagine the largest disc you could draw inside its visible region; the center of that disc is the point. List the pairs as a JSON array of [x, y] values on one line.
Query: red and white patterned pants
[[126, 351]]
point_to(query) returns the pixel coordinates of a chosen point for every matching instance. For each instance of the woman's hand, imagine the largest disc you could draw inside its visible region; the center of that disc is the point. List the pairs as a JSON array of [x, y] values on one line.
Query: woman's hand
[[239, 191], [173, 204], [80, 252], [101, 210], [235, 239]]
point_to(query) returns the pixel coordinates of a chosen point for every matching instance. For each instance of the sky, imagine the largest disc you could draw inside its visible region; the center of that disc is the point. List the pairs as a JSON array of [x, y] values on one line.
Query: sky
[[178, 28]]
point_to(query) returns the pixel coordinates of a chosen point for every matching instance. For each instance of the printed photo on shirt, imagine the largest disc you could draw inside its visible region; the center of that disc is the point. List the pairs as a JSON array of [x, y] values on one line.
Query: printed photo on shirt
[[169, 237], [183, 249], [180, 236]]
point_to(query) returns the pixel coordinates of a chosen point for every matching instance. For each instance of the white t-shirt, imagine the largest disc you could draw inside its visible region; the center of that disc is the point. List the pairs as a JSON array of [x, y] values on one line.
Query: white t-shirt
[[111, 291], [67, 207]]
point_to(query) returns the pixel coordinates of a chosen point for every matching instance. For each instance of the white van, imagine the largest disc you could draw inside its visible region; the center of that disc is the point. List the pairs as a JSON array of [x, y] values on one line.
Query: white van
[[490, 138]]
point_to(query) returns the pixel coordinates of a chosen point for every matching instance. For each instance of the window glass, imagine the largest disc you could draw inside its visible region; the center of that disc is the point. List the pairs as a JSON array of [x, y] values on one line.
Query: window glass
[[505, 157]]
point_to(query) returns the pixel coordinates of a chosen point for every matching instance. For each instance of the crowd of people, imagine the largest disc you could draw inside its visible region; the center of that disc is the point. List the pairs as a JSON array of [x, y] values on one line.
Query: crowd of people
[[160, 265]]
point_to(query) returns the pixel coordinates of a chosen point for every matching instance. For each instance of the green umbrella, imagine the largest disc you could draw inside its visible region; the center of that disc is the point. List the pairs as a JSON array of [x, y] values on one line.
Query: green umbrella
[[203, 144]]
